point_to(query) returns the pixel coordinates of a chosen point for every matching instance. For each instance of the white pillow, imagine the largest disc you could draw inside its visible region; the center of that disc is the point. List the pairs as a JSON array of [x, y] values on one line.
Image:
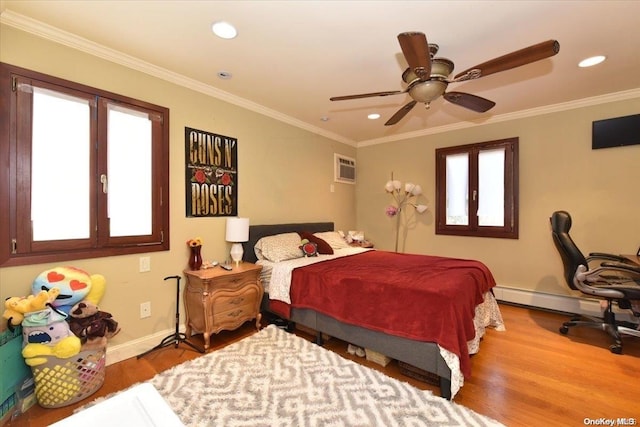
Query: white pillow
[[333, 238], [279, 247]]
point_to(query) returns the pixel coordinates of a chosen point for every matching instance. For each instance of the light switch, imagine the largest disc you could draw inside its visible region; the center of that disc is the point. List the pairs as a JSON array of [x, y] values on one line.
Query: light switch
[[145, 264]]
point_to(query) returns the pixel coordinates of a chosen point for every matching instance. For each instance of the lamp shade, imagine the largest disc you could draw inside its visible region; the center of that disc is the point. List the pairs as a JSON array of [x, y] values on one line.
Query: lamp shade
[[237, 230]]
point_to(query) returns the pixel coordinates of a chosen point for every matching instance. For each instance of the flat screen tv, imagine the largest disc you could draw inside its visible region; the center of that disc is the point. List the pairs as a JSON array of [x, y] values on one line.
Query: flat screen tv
[[616, 132]]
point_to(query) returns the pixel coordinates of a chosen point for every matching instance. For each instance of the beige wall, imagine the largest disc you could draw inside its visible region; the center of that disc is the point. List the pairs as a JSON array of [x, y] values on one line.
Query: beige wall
[[558, 170], [285, 175]]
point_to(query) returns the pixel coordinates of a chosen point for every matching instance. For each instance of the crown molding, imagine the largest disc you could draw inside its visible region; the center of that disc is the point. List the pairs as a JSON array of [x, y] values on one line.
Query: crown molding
[[547, 109], [71, 40]]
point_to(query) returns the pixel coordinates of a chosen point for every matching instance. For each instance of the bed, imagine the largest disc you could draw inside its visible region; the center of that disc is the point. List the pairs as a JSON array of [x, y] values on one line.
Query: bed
[[405, 343]]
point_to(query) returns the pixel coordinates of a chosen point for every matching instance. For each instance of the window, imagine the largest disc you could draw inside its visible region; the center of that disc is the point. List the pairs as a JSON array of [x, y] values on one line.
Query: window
[[86, 171], [477, 189]]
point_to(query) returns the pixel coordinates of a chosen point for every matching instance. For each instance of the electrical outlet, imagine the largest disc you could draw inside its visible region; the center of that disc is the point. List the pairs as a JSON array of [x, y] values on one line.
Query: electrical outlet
[[145, 309], [145, 264]]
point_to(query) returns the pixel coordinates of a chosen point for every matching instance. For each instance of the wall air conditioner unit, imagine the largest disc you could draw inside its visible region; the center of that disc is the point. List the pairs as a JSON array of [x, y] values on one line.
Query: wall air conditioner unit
[[344, 169]]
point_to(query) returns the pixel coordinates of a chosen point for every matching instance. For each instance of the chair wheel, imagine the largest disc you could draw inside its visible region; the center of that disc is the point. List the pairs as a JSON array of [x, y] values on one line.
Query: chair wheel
[[564, 330], [615, 349]]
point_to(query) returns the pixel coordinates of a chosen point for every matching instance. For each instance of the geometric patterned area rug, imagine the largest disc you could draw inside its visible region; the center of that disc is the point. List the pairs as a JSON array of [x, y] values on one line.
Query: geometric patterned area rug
[[274, 378]]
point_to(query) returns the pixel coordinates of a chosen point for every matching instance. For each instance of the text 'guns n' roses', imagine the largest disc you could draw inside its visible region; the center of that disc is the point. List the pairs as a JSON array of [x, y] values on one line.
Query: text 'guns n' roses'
[[213, 173]]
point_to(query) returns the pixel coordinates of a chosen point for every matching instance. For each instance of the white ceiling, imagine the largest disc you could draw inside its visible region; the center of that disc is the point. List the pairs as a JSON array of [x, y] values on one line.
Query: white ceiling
[[291, 56]]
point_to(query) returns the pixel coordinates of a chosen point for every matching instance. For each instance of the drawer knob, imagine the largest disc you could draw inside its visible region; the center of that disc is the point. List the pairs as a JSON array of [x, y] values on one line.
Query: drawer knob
[[237, 300]]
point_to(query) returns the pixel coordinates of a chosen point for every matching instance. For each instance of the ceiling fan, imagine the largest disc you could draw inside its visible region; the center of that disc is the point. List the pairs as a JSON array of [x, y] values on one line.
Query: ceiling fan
[[427, 77]]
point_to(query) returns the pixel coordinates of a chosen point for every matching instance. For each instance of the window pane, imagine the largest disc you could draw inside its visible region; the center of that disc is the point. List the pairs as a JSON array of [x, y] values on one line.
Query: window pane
[[60, 166], [477, 189], [458, 189], [491, 187], [129, 172]]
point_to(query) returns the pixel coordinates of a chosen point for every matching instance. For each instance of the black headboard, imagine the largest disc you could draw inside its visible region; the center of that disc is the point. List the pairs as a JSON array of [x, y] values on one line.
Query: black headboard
[[256, 232]]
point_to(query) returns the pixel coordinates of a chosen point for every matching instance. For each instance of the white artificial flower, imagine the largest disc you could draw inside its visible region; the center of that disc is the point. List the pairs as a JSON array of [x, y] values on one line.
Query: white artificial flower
[[389, 186]]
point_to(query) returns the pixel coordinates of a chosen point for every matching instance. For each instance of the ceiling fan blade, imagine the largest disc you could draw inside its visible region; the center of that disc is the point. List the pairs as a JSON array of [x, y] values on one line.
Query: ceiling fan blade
[[416, 51], [472, 102], [400, 114], [512, 60], [367, 95]]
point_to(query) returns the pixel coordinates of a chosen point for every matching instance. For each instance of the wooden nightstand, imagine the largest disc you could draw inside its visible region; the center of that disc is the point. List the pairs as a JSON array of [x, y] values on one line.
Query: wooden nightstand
[[216, 299]]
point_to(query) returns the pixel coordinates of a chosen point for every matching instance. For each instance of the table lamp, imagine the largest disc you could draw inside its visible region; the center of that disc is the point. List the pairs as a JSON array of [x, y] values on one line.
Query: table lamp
[[237, 232]]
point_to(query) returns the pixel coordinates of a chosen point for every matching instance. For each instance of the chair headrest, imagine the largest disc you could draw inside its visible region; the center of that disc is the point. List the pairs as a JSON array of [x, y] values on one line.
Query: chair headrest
[[561, 222]]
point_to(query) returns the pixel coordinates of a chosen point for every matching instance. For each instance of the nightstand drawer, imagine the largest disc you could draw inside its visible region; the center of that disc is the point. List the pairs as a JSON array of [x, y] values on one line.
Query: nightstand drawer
[[236, 314], [248, 297], [234, 281]]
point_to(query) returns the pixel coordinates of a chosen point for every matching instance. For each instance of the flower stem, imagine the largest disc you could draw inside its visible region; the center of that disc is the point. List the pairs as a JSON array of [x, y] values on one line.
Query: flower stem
[[397, 228]]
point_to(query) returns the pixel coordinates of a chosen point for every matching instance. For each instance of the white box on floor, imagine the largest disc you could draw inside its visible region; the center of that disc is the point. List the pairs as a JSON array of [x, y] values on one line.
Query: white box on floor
[[138, 406], [376, 357]]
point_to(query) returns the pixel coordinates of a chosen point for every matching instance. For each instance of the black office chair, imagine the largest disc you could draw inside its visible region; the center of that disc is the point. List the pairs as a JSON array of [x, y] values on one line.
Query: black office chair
[[610, 277]]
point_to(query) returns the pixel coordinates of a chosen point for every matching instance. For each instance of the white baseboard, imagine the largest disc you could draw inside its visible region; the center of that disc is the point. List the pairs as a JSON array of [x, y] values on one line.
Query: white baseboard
[[566, 304], [133, 348]]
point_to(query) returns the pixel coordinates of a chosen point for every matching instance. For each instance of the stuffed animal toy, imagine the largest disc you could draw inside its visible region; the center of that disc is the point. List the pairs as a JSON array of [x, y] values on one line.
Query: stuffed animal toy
[[309, 248], [17, 307], [63, 349], [98, 286], [44, 327], [46, 333], [90, 324], [74, 284]]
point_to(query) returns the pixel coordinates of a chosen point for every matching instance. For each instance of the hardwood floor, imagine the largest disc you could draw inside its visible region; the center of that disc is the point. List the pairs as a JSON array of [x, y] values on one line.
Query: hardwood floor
[[528, 375]]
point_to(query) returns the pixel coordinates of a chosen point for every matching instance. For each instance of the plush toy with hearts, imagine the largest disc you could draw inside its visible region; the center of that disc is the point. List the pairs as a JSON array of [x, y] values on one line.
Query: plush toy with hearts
[[75, 285]]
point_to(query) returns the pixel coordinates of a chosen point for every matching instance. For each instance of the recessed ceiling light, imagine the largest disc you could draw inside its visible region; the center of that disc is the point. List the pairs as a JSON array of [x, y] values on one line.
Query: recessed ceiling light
[[590, 62], [324, 118], [224, 30], [225, 75], [373, 116]]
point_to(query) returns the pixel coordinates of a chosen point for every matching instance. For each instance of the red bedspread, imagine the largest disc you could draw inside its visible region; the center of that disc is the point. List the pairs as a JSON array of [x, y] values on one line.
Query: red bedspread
[[420, 297]]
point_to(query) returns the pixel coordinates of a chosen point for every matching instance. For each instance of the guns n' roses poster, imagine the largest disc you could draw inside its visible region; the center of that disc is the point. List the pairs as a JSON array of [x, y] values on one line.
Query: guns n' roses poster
[[212, 174]]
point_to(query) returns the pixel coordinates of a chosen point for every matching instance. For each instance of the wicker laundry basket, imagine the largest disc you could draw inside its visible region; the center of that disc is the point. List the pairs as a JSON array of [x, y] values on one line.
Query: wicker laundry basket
[[62, 382]]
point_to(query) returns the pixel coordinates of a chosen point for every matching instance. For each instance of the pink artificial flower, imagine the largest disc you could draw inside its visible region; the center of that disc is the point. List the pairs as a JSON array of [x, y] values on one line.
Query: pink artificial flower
[[391, 211]]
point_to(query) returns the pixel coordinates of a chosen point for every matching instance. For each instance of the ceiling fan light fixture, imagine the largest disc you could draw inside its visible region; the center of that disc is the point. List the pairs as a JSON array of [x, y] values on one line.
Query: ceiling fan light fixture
[[427, 91], [590, 62], [427, 78], [408, 76], [441, 68], [224, 30]]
